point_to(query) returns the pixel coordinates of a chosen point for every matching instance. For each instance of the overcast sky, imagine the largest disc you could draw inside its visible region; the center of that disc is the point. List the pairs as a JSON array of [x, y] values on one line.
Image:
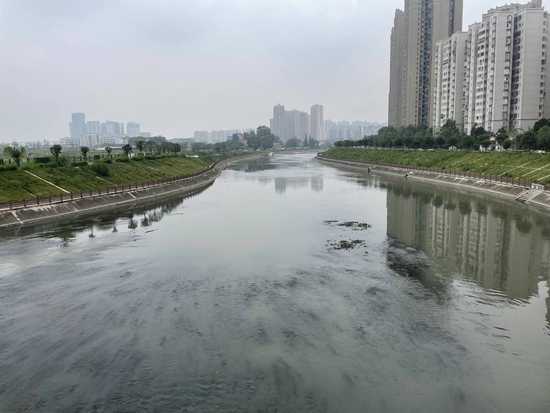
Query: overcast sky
[[177, 66]]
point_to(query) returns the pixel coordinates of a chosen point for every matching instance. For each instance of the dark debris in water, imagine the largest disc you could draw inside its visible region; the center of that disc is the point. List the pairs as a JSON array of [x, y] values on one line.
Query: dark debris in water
[[350, 224], [345, 245]]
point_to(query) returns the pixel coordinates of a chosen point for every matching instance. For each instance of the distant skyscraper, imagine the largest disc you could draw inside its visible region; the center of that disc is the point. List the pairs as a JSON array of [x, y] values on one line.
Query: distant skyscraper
[[93, 126], [279, 120], [290, 124], [112, 128], [317, 123], [103, 128], [417, 29], [133, 129], [78, 125]]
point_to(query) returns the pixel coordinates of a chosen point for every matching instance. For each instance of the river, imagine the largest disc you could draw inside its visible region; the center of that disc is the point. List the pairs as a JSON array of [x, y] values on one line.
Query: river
[[242, 299]]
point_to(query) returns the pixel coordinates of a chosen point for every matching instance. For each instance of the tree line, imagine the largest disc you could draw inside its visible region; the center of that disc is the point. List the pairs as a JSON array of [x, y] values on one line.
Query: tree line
[[17, 153], [422, 137]]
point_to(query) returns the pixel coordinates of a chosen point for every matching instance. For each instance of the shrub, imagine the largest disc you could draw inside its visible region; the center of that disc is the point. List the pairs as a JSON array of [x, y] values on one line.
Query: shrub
[[79, 163], [138, 158], [108, 160], [8, 167], [122, 159], [42, 160], [101, 169], [64, 161]]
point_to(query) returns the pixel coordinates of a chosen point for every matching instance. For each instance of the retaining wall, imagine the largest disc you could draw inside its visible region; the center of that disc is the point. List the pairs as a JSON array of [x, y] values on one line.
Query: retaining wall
[[505, 190]]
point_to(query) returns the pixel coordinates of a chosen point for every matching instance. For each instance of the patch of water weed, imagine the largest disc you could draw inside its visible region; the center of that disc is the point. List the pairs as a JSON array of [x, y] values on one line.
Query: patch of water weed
[[350, 224], [345, 245]]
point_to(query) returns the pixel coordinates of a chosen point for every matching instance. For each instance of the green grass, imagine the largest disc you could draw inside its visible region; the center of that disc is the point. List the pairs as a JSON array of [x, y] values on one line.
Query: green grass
[[19, 185], [530, 166]]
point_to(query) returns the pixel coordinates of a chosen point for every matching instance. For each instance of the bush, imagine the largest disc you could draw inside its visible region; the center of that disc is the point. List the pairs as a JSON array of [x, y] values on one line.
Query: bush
[[122, 159], [108, 160], [101, 169], [43, 160], [64, 161], [8, 167], [138, 158], [150, 157], [79, 163]]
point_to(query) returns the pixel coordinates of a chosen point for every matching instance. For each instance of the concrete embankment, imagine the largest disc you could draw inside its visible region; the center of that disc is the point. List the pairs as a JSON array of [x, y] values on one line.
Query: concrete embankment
[[530, 196], [92, 205]]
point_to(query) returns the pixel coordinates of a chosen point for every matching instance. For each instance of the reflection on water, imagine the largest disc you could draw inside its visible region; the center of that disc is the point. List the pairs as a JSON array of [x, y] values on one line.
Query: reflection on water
[[497, 245], [289, 177], [134, 217]]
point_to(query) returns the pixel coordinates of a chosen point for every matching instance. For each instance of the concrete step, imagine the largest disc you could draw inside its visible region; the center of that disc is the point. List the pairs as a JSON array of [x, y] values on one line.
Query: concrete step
[[528, 195]]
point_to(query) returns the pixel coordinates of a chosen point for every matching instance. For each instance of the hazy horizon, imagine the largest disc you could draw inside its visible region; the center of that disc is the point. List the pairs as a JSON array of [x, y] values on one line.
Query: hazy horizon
[[176, 67]]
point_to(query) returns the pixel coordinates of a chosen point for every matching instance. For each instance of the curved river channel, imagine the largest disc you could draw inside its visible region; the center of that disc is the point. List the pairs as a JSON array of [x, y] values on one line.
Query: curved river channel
[[287, 286]]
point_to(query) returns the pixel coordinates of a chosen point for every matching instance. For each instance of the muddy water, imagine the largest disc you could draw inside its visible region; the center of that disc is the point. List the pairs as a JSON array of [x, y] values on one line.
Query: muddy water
[[237, 300]]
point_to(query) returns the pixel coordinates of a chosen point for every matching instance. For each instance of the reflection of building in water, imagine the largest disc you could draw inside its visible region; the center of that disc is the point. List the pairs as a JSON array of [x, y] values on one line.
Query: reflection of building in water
[[294, 182], [484, 241], [280, 185], [317, 183]]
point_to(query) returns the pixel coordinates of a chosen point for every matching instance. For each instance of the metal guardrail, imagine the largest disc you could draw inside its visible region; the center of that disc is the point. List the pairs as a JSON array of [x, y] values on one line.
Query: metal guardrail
[[95, 193], [498, 179]]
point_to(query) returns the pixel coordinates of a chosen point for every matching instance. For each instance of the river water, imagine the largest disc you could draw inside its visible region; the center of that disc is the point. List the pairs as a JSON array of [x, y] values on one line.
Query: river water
[[239, 300]]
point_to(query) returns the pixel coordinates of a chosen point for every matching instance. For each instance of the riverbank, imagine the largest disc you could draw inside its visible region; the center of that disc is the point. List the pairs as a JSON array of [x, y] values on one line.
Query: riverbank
[[93, 202], [530, 195], [523, 166], [32, 181]]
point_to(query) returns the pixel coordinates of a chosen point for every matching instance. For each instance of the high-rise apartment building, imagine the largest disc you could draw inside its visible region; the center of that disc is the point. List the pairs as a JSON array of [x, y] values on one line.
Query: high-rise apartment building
[[504, 76], [416, 30], [133, 129], [78, 125], [112, 128], [290, 124], [317, 123], [93, 126], [506, 68], [278, 122], [395, 103], [448, 79]]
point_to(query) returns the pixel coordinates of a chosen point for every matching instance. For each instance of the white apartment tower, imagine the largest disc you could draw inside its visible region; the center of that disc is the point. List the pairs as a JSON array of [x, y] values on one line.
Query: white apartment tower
[[505, 71], [416, 31], [317, 123], [448, 79]]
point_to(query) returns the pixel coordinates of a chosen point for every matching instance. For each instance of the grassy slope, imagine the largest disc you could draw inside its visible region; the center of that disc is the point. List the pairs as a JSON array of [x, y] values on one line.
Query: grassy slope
[[18, 185], [534, 167]]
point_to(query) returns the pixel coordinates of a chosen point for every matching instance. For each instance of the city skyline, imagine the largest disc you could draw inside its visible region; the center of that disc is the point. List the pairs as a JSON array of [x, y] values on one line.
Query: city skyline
[[328, 59]]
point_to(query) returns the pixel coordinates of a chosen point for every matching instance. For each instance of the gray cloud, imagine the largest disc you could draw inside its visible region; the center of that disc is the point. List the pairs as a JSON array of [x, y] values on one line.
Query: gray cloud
[[179, 66]]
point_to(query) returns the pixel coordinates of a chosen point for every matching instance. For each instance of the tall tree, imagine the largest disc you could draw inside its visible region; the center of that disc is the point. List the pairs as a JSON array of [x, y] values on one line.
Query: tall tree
[[108, 149], [84, 150], [56, 151], [15, 153], [140, 145], [127, 149]]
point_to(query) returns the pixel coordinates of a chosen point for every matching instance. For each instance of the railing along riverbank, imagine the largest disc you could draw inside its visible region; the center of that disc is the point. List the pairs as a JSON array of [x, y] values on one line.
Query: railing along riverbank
[[94, 193], [497, 179]]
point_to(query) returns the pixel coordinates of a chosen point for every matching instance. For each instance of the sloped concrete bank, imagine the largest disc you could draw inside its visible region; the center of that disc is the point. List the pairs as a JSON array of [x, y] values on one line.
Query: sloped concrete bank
[[529, 196], [88, 206]]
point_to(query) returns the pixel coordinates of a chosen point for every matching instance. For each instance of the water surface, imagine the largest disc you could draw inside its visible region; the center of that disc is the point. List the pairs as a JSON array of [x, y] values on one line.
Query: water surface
[[235, 300]]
